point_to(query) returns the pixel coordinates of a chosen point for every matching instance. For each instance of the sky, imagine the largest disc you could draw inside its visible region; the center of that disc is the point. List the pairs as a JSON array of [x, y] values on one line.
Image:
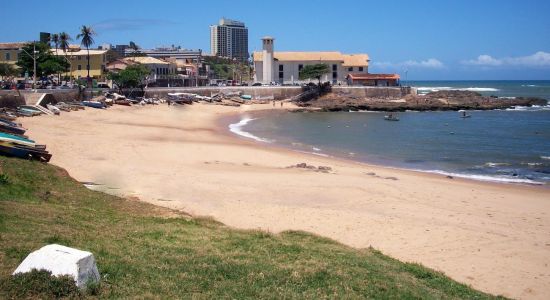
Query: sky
[[421, 40]]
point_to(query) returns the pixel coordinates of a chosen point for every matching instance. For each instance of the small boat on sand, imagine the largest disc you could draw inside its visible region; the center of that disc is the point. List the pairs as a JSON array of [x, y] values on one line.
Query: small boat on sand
[[10, 127], [54, 109], [26, 152], [15, 139], [94, 104]]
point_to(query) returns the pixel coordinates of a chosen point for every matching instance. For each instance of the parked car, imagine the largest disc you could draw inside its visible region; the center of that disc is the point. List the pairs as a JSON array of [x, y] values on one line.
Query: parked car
[[102, 85], [257, 84], [244, 84]]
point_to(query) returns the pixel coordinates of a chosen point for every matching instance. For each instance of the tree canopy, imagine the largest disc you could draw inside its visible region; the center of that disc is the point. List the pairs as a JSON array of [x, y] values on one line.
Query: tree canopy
[[131, 77], [46, 62], [8, 70], [314, 71]]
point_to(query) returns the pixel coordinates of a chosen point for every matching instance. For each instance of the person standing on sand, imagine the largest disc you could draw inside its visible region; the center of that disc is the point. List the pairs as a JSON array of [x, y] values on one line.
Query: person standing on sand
[[273, 103], [281, 103]]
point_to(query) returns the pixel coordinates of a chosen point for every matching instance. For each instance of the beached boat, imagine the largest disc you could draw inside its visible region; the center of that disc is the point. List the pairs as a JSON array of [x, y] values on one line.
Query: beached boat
[[94, 104], [391, 118], [10, 127], [246, 97], [15, 139], [54, 109], [123, 102], [26, 152], [27, 112], [7, 116]]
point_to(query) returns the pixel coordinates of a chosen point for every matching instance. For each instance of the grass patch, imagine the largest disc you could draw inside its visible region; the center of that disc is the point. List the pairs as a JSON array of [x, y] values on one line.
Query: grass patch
[[149, 252], [39, 285]]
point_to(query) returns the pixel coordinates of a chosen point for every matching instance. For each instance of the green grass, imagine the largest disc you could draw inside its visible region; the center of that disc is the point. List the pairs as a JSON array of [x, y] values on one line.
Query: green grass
[[146, 251]]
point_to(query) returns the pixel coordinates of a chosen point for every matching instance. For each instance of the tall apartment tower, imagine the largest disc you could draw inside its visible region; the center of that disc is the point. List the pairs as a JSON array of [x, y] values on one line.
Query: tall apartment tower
[[229, 39], [267, 55]]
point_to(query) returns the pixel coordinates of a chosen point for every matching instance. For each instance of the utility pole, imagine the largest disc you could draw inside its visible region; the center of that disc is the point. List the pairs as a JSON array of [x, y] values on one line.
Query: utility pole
[[33, 56]]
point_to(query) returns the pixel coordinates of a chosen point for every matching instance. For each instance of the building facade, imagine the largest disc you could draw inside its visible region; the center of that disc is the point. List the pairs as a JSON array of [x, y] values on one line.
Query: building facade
[[284, 67], [10, 52], [78, 62], [229, 39]]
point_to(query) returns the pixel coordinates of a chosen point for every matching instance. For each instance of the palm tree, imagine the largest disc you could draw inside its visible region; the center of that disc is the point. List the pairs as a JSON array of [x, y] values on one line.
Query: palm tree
[[55, 41], [134, 47], [64, 39], [86, 33]]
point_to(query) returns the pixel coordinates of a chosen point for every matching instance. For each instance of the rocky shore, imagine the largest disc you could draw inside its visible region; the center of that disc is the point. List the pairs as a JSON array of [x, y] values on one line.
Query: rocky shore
[[441, 100]]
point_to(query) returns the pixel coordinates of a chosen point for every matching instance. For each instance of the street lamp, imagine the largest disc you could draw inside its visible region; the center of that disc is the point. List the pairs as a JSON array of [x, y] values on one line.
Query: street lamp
[[34, 63]]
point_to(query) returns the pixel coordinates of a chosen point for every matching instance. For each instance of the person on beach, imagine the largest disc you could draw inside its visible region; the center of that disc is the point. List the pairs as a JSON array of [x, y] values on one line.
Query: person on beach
[[281, 103], [273, 103]]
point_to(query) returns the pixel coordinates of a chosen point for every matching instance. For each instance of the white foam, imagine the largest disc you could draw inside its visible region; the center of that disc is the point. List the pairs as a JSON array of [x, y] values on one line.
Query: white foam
[[316, 149], [448, 88], [492, 164], [236, 128], [484, 177], [545, 157]]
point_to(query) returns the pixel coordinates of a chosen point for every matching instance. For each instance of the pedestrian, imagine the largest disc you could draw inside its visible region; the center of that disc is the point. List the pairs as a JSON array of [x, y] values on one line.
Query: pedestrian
[[273, 103], [281, 103]]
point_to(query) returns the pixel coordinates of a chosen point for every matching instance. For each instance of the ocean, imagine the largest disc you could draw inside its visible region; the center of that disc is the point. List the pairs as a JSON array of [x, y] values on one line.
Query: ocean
[[511, 146]]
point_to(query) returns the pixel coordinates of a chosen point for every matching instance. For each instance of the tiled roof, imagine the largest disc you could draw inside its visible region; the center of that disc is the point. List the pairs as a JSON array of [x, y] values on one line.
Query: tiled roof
[[348, 60], [15, 45], [146, 60], [367, 76]]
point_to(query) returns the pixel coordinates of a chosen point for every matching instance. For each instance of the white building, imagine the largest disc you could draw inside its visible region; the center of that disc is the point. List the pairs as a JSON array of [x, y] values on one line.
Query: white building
[[284, 67], [229, 39]]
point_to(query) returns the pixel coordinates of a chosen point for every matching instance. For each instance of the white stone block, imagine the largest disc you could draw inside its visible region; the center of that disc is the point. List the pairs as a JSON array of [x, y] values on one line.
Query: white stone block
[[61, 260]]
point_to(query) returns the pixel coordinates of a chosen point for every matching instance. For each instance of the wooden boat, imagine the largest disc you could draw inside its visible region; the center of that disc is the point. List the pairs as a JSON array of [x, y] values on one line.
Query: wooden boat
[[246, 97], [15, 139], [28, 112], [15, 150], [11, 127], [391, 118], [94, 104], [123, 102], [8, 116], [54, 109]]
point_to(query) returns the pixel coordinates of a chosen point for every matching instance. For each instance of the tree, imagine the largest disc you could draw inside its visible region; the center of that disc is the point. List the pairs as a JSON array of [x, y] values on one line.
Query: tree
[[131, 77], [46, 62], [8, 70], [64, 39], [134, 47], [86, 39], [314, 71], [55, 41]]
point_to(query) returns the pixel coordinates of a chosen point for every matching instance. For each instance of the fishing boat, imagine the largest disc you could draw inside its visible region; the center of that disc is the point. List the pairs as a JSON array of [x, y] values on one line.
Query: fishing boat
[[391, 117], [463, 114], [94, 104], [26, 112], [10, 127], [54, 109], [7, 116], [21, 151], [15, 139], [123, 102], [246, 97]]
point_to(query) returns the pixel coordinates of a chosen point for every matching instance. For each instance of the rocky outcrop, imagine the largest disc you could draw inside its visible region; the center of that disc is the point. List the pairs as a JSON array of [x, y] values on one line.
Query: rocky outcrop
[[441, 100]]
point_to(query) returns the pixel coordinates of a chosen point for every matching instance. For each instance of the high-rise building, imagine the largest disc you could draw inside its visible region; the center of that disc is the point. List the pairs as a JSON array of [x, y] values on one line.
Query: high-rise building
[[229, 39]]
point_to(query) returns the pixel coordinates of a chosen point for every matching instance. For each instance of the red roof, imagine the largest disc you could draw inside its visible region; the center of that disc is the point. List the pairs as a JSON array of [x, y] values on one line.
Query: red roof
[[367, 76]]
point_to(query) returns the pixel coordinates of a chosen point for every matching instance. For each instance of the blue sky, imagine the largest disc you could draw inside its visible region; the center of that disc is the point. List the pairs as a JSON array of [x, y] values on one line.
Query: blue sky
[[431, 39]]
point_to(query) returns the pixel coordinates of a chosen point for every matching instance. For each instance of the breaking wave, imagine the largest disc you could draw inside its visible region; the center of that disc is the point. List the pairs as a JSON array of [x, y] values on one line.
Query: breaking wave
[[236, 128]]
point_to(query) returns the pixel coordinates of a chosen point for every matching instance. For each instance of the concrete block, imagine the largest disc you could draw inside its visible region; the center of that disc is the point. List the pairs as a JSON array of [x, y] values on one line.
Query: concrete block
[[61, 260]]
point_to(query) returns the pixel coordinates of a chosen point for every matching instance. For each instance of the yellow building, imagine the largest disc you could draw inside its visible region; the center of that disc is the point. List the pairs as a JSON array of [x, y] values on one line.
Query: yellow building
[[77, 58], [9, 52]]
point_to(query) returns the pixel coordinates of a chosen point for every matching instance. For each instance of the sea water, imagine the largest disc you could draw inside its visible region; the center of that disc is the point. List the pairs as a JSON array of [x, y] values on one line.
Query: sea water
[[501, 145]]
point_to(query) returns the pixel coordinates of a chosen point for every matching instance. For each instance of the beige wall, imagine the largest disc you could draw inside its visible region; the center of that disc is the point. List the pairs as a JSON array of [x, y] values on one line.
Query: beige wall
[[12, 53], [97, 65]]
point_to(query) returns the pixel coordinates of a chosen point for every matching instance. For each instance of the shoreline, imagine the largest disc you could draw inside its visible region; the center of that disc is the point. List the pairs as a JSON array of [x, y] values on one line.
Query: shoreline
[[491, 236], [225, 123]]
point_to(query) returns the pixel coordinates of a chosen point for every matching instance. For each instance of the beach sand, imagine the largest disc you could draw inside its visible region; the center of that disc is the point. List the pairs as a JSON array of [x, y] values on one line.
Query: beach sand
[[495, 237]]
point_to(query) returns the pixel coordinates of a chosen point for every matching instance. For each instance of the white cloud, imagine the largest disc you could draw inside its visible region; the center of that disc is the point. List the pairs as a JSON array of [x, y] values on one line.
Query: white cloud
[[430, 63], [539, 59]]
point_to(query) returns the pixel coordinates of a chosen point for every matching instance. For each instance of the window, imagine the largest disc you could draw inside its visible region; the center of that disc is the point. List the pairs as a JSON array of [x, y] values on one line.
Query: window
[[360, 69], [281, 68], [8, 56], [334, 67], [300, 67], [79, 67], [79, 57], [350, 69], [334, 75]]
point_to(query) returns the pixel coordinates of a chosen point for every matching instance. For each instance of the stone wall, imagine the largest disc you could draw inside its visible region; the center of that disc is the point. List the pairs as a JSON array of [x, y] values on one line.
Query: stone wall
[[374, 92], [260, 92], [30, 97]]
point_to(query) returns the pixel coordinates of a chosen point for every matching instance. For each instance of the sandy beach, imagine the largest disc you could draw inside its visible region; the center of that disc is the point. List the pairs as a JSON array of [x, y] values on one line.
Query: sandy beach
[[495, 237]]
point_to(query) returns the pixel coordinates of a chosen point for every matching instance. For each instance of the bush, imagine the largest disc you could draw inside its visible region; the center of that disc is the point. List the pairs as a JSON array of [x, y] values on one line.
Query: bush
[[4, 179], [39, 284]]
